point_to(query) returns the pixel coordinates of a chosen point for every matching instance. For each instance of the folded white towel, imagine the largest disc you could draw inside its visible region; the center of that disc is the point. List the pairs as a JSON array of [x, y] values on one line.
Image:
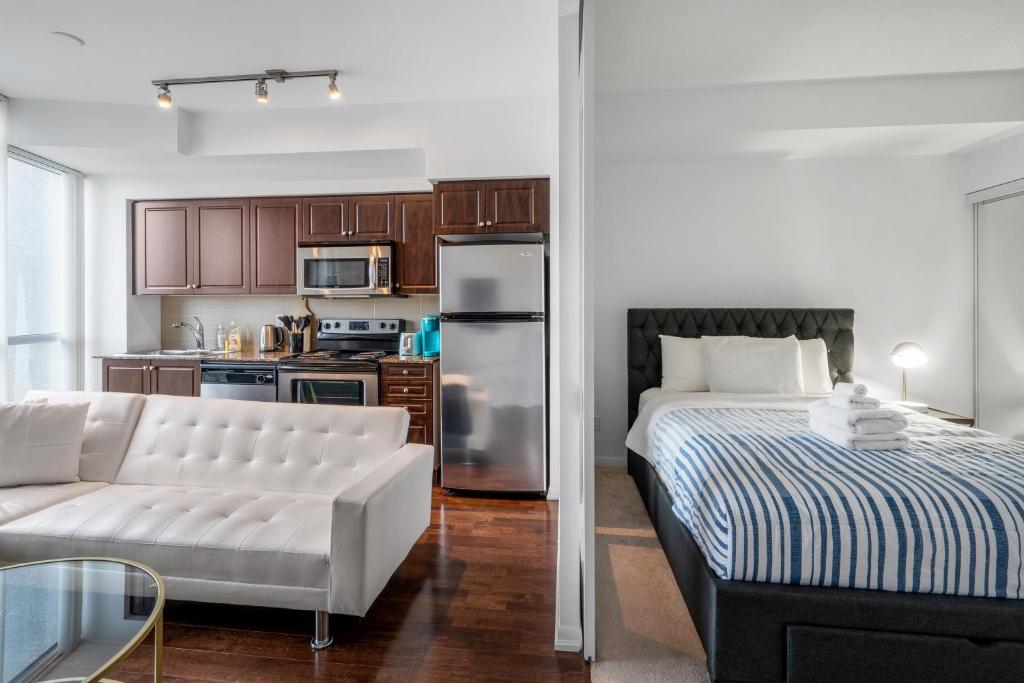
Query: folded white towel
[[860, 442], [846, 388], [861, 421], [853, 402]]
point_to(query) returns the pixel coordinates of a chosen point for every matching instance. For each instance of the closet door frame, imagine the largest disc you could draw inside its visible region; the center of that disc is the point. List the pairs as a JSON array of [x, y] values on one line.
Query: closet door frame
[[996, 193]]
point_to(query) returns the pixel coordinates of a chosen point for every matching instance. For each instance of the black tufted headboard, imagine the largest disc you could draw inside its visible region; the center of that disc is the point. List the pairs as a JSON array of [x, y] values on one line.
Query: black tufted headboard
[[834, 325]]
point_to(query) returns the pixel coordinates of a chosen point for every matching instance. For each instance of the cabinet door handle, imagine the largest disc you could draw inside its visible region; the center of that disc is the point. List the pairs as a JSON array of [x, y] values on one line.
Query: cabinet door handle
[[489, 223], [406, 390], [405, 372]]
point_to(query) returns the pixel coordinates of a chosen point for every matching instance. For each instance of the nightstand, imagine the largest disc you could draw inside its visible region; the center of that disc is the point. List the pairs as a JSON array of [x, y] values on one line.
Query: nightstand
[[950, 417]]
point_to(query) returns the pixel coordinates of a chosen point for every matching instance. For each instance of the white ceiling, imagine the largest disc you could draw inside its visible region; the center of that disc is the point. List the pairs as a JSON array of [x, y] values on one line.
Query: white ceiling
[[675, 43], [388, 50]]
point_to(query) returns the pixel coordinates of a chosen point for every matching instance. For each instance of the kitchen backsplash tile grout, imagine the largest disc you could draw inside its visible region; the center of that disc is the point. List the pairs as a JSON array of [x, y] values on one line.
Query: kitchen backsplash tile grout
[[252, 312]]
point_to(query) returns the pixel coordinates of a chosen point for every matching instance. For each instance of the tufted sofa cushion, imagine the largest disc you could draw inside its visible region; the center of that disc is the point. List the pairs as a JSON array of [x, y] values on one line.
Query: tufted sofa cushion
[[833, 325], [108, 428], [254, 537], [259, 446], [18, 501]]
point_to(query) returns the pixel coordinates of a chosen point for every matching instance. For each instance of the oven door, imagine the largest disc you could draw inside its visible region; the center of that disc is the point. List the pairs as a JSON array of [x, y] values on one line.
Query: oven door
[[358, 270], [326, 387]]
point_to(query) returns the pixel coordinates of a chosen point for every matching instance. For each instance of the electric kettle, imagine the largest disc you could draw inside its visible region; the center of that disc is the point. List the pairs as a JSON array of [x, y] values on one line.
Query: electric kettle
[[271, 337]]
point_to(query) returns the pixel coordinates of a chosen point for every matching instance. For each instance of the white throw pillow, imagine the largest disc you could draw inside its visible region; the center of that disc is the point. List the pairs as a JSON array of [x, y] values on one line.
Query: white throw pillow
[[40, 443], [682, 364], [753, 365], [814, 361]]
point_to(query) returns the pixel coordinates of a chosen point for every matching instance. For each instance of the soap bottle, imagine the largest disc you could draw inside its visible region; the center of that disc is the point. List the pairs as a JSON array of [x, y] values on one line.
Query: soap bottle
[[220, 337], [234, 338]]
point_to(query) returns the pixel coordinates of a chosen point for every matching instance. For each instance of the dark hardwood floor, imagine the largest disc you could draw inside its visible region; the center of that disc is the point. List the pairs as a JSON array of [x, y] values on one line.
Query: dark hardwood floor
[[474, 601]]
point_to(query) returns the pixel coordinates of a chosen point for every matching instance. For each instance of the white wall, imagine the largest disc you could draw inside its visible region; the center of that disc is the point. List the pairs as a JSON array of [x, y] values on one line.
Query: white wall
[[890, 238], [1000, 161]]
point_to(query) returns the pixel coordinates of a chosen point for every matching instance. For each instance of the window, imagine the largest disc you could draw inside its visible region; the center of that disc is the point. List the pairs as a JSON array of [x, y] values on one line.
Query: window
[[40, 277]]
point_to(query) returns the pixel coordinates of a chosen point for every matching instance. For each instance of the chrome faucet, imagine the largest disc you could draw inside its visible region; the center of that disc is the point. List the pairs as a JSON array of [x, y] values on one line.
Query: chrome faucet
[[196, 330]]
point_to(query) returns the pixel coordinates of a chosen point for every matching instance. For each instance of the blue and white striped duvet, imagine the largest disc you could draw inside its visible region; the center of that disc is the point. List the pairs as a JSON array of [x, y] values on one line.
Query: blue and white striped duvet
[[768, 500]]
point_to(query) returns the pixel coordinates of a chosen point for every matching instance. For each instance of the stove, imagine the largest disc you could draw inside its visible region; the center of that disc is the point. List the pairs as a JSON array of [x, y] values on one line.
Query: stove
[[344, 369]]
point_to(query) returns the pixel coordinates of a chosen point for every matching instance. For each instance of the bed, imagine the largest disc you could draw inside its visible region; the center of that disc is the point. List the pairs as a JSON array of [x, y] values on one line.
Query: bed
[[902, 625]]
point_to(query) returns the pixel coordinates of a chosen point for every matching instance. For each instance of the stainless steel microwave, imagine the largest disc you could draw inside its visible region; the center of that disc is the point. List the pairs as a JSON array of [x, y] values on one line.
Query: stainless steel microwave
[[345, 271]]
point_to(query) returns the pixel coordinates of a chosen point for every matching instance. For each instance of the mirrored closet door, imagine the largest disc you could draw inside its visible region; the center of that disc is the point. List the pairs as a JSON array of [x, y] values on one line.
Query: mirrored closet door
[[1000, 316]]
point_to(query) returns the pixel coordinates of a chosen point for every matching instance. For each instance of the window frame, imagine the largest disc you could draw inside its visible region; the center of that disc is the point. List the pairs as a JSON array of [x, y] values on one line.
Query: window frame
[[70, 338]]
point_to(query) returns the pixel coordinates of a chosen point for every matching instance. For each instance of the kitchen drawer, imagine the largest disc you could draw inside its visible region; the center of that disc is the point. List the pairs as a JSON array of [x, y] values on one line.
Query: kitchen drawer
[[407, 371], [408, 390], [417, 409]]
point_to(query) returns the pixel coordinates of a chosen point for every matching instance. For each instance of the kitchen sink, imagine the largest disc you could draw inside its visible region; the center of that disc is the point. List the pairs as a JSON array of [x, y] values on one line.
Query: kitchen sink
[[189, 352]]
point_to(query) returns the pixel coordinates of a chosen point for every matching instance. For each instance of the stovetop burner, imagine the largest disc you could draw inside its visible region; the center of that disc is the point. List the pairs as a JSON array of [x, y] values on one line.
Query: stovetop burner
[[329, 355]]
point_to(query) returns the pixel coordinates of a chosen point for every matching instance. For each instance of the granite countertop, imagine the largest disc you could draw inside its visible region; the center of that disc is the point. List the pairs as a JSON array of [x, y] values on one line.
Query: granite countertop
[[409, 359], [250, 356]]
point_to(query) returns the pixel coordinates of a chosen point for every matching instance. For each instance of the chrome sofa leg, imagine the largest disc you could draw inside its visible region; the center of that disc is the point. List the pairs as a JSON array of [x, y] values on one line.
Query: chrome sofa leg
[[322, 638]]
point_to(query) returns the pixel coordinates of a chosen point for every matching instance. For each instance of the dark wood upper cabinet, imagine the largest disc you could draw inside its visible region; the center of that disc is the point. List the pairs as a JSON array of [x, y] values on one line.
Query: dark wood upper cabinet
[[517, 205], [222, 246], [459, 208], [325, 219], [492, 206], [416, 245], [275, 226], [373, 217], [163, 247]]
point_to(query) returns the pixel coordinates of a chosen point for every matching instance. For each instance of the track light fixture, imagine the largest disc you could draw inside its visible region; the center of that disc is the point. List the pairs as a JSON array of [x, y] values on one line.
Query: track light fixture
[[163, 98]]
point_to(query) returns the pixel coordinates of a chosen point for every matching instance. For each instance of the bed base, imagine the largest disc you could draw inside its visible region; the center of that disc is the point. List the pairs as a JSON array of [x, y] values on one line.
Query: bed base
[[773, 632]]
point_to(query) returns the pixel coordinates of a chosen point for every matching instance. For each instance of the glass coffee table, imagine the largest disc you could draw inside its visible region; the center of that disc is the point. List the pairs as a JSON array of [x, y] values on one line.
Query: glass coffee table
[[77, 619]]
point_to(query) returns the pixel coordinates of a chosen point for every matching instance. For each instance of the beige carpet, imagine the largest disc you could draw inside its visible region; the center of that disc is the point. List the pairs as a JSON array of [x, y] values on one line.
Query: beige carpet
[[644, 632]]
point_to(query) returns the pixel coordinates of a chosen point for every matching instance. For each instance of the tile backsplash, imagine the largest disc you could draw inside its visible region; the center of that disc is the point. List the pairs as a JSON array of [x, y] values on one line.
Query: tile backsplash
[[252, 312]]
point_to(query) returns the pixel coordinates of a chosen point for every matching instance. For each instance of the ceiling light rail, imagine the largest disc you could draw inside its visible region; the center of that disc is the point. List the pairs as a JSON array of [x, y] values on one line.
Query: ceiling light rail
[[262, 96]]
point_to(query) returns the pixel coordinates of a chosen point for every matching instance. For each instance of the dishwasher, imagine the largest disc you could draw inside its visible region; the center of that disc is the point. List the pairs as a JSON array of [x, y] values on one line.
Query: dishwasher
[[240, 381]]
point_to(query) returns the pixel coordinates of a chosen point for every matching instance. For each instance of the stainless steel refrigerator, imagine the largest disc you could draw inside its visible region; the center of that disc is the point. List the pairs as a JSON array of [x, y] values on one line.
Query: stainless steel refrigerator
[[493, 367]]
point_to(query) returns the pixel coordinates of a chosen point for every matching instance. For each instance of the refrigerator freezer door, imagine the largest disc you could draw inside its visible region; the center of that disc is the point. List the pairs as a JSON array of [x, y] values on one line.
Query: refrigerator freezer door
[[493, 406], [492, 278]]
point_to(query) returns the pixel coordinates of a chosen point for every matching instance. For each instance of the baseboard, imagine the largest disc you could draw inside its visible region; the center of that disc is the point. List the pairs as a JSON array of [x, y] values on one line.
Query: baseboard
[[569, 638], [610, 461]]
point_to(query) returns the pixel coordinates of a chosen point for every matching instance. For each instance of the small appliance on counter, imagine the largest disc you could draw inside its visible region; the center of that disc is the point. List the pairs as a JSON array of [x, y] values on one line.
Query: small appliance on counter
[[409, 344], [271, 338], [430, 331]]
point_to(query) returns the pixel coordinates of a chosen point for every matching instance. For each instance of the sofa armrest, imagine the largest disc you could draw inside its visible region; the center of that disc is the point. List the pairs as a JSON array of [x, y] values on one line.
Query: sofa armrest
[[375, 524]]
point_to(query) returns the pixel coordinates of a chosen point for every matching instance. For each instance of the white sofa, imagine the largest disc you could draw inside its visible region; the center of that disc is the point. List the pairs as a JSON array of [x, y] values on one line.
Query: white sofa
[[278, 505]]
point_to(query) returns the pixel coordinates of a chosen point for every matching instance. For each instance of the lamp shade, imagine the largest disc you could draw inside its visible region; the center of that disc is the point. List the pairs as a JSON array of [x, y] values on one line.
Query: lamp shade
[[908, 355]]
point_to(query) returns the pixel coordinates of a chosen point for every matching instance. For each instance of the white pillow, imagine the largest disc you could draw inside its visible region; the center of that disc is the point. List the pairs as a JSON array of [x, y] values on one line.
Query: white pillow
[[753, 365], [814, 361], [40, 443], [682, 364]]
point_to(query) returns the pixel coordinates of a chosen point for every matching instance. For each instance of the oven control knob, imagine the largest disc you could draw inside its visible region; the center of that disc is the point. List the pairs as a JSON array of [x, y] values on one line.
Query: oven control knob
[[337, 325], [383, 325], [393, 325]]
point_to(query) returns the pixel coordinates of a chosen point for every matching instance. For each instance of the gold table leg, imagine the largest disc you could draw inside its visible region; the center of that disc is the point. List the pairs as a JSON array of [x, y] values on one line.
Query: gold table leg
[[158, 649]]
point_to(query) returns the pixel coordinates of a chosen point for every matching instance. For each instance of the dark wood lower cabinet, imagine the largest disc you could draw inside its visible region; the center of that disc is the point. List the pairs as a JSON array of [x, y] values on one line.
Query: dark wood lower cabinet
[[415, 386], [125, 376], [167, 377]]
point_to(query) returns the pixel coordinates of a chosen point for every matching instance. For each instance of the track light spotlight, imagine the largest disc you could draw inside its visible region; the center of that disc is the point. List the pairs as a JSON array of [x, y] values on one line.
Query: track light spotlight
[[163, 98], [332, 89], [261, 91]]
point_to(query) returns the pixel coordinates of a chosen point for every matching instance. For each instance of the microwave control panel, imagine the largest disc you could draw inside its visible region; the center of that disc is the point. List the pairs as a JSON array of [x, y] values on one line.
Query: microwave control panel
[[383, 272]]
